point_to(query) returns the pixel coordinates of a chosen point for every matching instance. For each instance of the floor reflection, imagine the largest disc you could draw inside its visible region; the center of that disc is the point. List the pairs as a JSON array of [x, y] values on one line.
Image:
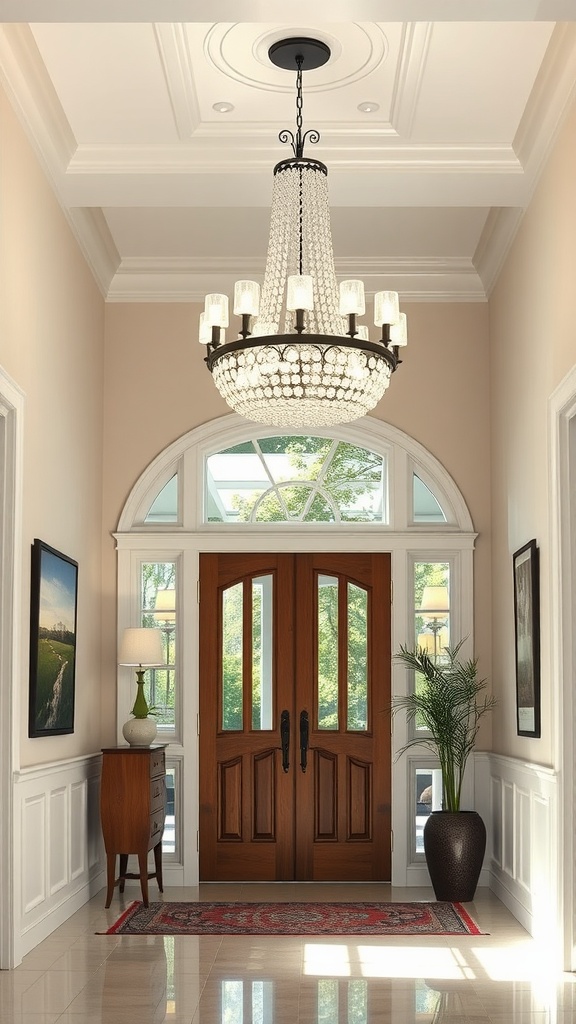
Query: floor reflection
[[79, 977]]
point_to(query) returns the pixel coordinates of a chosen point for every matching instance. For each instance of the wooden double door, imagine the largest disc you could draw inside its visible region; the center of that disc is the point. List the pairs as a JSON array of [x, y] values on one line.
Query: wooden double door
[[295, 749]]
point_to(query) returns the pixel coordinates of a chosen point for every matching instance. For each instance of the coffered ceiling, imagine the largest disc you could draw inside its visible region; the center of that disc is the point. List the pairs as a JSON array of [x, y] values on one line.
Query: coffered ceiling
[[169, 196]]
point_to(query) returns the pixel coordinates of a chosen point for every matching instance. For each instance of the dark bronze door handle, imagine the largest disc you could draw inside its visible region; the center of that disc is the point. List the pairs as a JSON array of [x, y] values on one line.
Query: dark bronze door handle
[[304, 729], [285, 739]]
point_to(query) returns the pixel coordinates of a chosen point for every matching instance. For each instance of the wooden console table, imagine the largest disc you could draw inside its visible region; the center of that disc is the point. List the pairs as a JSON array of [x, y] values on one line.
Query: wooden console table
[[132, 810]]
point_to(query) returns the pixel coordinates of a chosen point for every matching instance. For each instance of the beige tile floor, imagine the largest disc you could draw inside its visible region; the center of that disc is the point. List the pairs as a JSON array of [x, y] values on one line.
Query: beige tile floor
[[78, 977]]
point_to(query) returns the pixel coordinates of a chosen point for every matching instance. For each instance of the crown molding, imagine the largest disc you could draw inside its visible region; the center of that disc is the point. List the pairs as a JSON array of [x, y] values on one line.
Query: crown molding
[[35, 101], [172, 44], [552, 94], [189, 279], [411, 66], [494, 244], [212, 155], [95, 240], [276, 10]]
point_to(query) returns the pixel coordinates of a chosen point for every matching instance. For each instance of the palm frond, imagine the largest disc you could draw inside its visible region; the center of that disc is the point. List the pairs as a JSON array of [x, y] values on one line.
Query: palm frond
[[449, 705]]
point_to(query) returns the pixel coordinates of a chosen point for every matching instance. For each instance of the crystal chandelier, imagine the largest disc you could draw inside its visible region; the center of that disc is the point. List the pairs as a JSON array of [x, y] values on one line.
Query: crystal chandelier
[[301, 358]]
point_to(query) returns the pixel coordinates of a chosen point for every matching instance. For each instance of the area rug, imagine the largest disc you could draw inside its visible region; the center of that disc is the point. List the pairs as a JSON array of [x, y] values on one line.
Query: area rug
[[295, 919]]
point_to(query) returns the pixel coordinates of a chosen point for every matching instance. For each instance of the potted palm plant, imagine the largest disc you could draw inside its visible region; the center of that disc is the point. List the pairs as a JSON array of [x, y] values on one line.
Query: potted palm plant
[[448, 701]]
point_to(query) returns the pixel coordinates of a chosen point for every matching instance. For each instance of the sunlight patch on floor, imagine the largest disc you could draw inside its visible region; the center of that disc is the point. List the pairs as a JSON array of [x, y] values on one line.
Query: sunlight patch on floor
[[326, 959], [383, 961]]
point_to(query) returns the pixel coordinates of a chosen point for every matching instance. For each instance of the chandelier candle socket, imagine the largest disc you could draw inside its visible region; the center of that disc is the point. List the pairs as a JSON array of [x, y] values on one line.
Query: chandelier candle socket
[[301, 358]]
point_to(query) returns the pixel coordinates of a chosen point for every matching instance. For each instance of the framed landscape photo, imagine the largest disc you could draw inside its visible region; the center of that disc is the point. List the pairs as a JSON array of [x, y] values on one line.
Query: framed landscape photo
[[53, 601], [527, 636]]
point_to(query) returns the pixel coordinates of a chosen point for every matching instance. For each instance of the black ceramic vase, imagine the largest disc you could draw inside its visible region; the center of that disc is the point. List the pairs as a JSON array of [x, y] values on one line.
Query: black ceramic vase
[[454, 844]]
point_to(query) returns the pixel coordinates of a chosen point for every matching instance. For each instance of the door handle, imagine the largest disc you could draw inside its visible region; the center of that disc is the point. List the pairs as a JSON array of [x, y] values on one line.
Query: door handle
[[304, 731], [285, 739]]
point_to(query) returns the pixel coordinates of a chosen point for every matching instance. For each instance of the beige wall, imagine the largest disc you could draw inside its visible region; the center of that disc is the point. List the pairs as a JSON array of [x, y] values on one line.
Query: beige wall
[[157, 387], [533, 346], [51, 344]]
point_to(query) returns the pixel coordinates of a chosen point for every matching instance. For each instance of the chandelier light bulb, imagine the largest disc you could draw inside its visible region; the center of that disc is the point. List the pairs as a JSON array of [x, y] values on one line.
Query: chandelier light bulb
[[386, 309], [216, 310], [352, 298], [399, 332], [246, 298], [300, 294], [204, 332]]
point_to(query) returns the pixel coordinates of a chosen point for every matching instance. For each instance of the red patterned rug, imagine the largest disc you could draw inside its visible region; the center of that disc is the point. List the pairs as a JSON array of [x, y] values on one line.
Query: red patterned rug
[[295, 919]]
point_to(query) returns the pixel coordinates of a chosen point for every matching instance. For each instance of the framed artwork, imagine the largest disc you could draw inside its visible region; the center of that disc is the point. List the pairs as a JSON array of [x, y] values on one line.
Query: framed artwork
[[53, 601], [527, 635]]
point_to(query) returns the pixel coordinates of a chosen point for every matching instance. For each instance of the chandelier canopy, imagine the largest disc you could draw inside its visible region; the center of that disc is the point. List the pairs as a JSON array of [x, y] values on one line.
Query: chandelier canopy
[[301, 358]]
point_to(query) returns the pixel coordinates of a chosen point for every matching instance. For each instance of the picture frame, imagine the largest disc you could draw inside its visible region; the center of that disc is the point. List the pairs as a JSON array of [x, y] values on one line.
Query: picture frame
[[527, 638], [53, 608]]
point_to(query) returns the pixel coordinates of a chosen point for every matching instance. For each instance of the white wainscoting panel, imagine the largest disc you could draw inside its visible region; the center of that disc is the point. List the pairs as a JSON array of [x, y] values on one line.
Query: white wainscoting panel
[[59, 818], [62, 860], [519, 803]]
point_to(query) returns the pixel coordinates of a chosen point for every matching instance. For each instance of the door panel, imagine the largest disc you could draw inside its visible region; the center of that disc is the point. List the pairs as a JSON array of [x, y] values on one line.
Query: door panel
[[343, 681], [246, 800], [304, 638]]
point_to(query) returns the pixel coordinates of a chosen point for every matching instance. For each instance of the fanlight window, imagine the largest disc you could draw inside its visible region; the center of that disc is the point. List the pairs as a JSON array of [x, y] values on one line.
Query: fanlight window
[[426, 506], [296, 479], [164, 508]]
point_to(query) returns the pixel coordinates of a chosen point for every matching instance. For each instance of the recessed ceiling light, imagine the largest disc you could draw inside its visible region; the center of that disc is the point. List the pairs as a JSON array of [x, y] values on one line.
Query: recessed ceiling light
[[222, 107], [368, 108]]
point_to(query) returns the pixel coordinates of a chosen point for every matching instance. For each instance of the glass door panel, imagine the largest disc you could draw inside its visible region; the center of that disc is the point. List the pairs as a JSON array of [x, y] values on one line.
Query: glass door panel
[[232, 656], [327, 652], [357, 651], [262, 648]]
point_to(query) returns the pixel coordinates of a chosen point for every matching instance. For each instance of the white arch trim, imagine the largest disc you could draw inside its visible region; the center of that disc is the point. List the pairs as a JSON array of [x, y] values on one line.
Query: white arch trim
[[231, 429]]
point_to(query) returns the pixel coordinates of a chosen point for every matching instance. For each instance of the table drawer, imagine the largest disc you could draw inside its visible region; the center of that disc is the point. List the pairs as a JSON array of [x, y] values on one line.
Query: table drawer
[[157, 823], [157, 763], [157, 794]]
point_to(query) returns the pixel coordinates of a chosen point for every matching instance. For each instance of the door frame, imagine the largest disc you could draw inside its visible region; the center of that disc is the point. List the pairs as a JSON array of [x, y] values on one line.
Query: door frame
[[562, 534], [11, 496]]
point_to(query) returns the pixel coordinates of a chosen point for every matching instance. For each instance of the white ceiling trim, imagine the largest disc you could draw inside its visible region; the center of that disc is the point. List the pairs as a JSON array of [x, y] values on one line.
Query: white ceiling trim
[[93, 236], [175, 59], [550, 98], [276, 10], [33, 96], [212, 155], [496, 239], [411, 66], [145, 279]]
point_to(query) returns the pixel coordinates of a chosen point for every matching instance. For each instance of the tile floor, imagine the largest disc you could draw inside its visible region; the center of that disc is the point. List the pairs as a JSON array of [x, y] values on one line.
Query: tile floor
[[78, 977]]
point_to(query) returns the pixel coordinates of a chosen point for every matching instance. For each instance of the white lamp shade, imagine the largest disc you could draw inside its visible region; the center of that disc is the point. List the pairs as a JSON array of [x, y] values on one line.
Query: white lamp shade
[[216, 310], [300, 292], [435, 600], [246, 298], [386, 309], [204, 332], [362, 332], [352, 298], [141, 646], [399, 332], [165, 605]]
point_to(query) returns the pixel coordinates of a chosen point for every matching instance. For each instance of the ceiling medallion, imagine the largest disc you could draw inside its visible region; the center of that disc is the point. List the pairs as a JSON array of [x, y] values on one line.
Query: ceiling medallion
[[301, 358]]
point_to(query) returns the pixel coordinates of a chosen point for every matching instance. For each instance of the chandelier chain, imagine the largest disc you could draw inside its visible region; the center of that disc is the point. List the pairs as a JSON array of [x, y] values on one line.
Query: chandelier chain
[[299, 108]]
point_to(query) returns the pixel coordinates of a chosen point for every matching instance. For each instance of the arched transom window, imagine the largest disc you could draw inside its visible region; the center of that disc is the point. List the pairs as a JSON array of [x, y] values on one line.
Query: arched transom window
[[297, 478]]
